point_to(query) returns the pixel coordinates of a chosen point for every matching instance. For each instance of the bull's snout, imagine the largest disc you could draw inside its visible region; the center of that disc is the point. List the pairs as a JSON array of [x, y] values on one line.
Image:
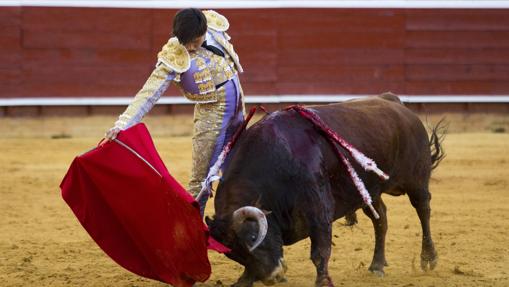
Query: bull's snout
[[277, 275]]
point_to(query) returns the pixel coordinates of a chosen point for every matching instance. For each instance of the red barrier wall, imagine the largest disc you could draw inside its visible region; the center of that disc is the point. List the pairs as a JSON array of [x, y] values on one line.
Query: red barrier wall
[[94, 52]]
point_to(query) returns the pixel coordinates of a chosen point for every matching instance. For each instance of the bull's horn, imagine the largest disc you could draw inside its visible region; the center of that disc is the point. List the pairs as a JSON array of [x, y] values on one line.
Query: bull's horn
[[243, 213]]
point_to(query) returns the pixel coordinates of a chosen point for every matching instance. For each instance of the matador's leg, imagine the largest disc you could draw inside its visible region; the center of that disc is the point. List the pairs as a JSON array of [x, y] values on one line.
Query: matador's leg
[[204, 141], [214, 126]]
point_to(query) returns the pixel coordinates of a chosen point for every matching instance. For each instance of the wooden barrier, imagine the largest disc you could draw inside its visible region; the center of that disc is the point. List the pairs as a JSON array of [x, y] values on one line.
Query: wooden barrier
[[109, 52]]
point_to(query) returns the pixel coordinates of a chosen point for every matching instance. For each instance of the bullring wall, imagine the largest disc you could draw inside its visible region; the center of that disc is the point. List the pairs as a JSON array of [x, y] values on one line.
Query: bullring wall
[[62, 52]]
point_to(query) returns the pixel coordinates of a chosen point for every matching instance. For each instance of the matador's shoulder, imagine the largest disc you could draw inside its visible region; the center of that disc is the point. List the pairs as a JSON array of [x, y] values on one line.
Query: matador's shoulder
[[175, 56], [216, 21]]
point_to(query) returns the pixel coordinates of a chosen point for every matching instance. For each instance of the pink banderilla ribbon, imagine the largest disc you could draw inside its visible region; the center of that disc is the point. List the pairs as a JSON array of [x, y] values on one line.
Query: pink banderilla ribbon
[[364, 161]]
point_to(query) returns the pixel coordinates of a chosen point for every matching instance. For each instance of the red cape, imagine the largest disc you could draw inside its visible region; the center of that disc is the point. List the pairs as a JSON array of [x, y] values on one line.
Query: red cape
[[137, 212]]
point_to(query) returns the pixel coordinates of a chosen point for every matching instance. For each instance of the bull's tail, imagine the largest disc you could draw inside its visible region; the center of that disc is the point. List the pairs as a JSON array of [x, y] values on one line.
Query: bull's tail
[[438, 133]]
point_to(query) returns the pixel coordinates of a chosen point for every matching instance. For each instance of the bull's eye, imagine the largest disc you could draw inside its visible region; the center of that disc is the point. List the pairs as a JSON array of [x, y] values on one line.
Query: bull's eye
[[253, 238]]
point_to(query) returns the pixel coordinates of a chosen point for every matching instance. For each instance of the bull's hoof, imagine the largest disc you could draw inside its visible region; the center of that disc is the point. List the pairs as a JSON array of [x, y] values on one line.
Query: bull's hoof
[[377, 269], [324, 282], [429, 260], [428, 264], [377, 273], [245, 280]]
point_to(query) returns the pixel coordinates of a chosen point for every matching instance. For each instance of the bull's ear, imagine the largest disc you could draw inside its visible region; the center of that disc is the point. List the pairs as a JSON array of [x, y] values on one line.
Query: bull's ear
[[266, 212]]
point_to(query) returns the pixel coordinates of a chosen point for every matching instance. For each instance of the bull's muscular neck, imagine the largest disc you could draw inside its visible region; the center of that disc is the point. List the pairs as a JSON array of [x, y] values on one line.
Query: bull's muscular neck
[[273, 167]]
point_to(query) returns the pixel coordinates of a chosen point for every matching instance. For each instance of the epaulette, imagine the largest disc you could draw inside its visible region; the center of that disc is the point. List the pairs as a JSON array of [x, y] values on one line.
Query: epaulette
[[216, 21], [175, 56]]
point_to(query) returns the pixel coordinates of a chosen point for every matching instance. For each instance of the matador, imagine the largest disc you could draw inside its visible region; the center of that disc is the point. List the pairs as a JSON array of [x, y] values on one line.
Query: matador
[[203, 65]]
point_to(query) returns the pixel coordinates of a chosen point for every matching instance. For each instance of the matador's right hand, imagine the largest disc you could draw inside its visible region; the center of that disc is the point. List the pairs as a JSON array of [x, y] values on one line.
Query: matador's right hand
[[112, 133]]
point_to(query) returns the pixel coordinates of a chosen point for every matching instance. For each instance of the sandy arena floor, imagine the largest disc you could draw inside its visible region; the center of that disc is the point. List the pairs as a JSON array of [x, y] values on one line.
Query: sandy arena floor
[[42, 243]]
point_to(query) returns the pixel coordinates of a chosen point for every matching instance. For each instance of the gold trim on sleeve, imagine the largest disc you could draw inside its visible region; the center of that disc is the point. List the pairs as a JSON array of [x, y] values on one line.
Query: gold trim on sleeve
[[145, 99]]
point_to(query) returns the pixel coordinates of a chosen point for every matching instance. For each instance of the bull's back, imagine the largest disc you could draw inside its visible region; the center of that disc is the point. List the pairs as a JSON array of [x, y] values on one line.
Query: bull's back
[[383, 112], [381, 127], [377, 119], [385, 130]]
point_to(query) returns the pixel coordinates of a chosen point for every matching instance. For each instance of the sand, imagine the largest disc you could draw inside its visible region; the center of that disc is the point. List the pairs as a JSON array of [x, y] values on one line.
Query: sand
[[42, 243]]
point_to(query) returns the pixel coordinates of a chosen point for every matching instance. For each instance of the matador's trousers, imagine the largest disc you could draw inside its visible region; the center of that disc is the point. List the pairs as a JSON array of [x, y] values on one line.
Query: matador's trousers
[[214, 125]]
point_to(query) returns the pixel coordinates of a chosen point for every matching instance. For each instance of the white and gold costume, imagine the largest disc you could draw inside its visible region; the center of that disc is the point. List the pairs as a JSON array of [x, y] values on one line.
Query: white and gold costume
[[209, 79]]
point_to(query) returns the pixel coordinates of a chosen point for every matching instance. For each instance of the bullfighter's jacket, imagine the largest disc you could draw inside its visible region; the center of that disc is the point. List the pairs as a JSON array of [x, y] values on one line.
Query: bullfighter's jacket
[[209, 78]]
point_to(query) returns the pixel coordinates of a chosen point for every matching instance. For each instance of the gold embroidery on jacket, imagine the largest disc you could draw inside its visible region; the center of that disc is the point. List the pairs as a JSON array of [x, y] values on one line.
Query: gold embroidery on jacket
[[216, 21], [175, 56], [217, 71], [206, 87], [202, 76], [200, 62], [220, 38]]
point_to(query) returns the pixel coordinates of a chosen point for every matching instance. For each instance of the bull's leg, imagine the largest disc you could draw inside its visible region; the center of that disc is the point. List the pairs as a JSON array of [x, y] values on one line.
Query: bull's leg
[[245, 280], [420, 200], [321, 238], [380, 226]]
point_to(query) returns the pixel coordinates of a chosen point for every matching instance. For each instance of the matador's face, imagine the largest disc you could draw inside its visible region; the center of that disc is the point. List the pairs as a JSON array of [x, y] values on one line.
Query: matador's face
[[195, 44]]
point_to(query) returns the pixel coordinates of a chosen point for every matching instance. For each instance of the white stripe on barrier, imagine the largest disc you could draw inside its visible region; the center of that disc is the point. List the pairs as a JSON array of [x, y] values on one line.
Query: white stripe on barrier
[[453, 4], [122, 101]]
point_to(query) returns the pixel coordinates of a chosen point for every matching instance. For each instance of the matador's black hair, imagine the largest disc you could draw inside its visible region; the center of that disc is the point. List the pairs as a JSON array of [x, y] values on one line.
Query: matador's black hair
[[189, 24]]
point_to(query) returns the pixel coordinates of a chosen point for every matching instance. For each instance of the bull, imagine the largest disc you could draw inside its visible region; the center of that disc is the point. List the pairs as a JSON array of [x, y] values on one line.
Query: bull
[[284, 183]]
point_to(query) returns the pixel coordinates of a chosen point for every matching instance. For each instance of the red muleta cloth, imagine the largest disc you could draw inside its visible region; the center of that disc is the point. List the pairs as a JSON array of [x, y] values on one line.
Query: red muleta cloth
[[143, 219]]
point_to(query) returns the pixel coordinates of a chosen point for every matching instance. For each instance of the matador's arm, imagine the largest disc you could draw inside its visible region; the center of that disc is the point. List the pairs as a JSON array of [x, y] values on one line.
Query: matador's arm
[[173, 60], [154, 87]]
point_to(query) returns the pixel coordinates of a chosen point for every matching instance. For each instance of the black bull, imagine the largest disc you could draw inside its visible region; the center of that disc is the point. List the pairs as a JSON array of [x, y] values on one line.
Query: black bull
[[284, 183]]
